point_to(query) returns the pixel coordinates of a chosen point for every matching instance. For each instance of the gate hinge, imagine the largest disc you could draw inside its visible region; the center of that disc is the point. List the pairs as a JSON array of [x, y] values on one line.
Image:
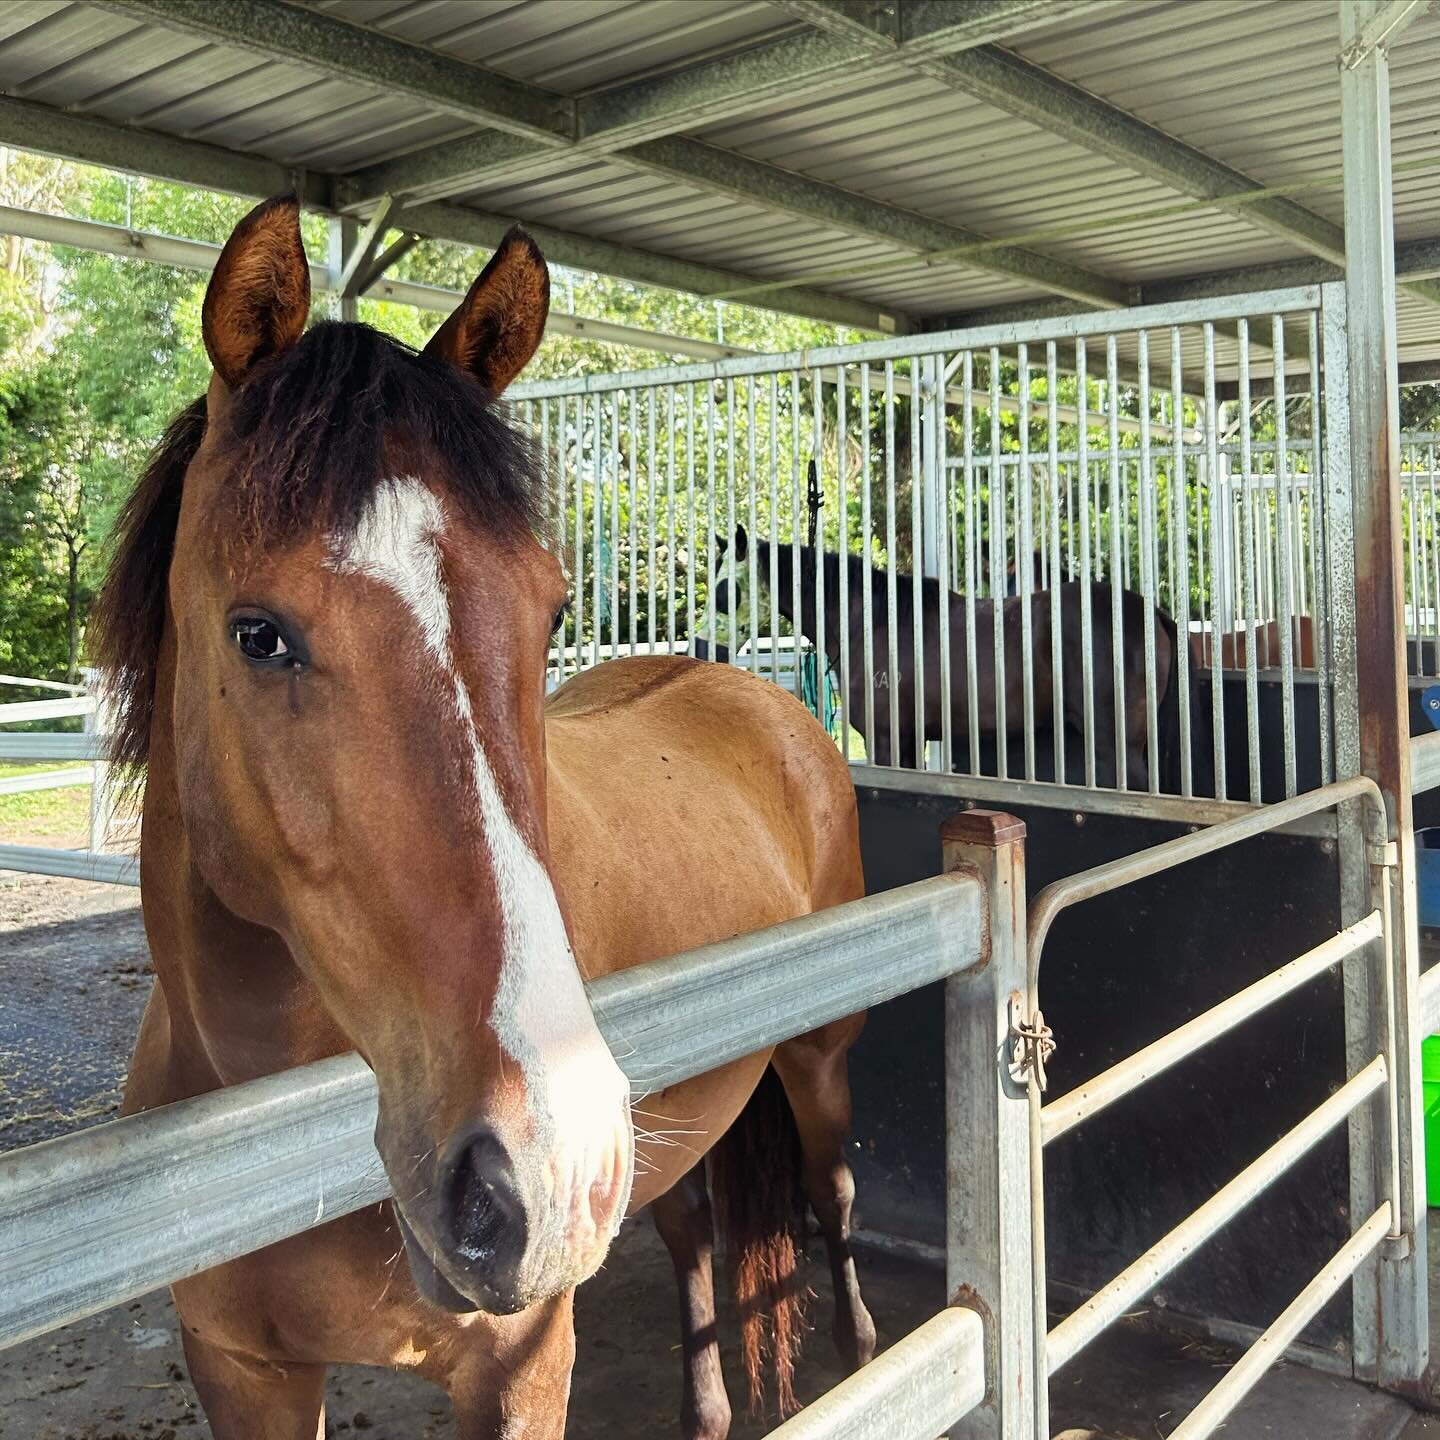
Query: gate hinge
[[1386, 855], [1033, 1042]]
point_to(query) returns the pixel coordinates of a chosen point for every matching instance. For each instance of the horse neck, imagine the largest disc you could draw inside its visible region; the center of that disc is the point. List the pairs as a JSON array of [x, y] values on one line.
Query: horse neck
[[785, 578], [237, 1004]]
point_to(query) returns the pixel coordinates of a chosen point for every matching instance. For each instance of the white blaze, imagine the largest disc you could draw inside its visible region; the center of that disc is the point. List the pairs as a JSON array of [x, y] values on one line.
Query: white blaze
[[540, 1014]]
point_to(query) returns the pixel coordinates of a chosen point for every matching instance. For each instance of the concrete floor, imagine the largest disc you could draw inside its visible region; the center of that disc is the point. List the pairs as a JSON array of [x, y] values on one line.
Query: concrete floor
[[76, 975]]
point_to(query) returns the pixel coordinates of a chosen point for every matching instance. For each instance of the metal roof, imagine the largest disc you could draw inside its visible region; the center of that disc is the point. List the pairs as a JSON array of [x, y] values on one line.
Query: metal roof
[[848, 161]]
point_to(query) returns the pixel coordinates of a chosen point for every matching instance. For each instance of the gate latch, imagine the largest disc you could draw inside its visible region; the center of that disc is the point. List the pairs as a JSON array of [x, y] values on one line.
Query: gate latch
[[1034, 1042]]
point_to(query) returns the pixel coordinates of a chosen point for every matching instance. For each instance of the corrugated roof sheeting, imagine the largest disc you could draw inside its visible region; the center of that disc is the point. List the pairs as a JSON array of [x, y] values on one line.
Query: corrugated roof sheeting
[[1250, 82]]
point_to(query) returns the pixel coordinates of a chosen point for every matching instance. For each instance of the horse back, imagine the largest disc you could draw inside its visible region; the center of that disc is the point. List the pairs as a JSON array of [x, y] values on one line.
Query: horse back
[[689, 802]]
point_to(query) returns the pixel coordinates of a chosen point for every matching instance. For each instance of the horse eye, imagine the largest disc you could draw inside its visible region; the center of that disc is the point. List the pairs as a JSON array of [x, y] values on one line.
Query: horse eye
[[259, 640], [559, 619]]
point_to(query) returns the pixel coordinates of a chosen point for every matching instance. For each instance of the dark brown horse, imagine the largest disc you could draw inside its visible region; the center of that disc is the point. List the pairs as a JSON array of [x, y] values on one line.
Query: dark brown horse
[[364, 828], [778, 562]]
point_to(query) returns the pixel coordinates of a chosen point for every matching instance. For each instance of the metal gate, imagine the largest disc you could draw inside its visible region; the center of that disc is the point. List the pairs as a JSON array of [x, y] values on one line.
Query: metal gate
[[1178, 450]]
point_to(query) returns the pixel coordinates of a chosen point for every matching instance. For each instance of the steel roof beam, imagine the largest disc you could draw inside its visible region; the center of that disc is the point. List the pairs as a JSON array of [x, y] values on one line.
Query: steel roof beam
[[189, 162], [294, 35], [48, 131], [935, 26]]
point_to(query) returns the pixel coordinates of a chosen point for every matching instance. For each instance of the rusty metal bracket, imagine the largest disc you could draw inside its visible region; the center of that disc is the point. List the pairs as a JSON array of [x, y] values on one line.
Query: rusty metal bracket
[[1033, 1042]]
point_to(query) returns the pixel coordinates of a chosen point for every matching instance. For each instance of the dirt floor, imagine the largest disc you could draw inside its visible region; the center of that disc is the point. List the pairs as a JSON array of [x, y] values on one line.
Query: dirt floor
[[76, 971]]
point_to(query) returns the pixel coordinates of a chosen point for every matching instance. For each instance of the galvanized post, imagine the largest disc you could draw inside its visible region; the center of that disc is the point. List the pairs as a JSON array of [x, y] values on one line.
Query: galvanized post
[[990, 1250], [1397, 1342], [344, 232], [97, 725]]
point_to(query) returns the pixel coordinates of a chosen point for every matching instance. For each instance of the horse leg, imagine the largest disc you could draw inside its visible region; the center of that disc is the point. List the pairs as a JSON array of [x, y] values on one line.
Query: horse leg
[[249, 1399], [518, 1381], [682, 1216], [813, 1070]]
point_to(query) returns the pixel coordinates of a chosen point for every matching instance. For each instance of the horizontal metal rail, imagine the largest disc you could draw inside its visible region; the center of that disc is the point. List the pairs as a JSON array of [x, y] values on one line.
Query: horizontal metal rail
[[53, 747], [1102, 879], [47, 780], [1062, 327], [20, 682], [915, 1390], [1136, 1281], [19, 711], [1087, 1100], [71, 864], [1424, 763], [1269, 1349], [94, 1219]]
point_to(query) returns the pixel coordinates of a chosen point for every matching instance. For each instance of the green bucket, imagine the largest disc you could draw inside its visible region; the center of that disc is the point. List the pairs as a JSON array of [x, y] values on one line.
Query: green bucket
[[1430, 1078]]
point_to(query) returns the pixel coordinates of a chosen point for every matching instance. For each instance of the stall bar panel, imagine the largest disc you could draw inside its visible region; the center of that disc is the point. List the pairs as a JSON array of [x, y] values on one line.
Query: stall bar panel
[[97, 1218], [1369, 941], [1137, 489]]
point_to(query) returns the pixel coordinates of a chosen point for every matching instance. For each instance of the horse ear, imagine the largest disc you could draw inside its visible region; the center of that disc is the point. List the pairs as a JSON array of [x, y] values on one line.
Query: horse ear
[[742, 542], [499, 325], [258, 299]]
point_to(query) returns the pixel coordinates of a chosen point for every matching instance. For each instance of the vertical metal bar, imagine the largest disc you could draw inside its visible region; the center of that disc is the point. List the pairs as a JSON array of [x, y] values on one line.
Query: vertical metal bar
[[1180, 508], [1024, 569], [821, 653], [994, 1240], [633, 534], [842, 596], [752, 547], [796, 539], [652, 522], [972, 542], [867, 597], [1087, 619], [1052, 484], [732, 638], [940, 513], [1145, 495], [1217, 508], [712, 568], [892, 595], [562, 429], [670, 392], [917, 553], [1285, 587], [1248, 559], [1381, 680], [615, 526], [1117, 572], [597, 504], [1320, 586], [773, 580], [998, 547], [692, 542]]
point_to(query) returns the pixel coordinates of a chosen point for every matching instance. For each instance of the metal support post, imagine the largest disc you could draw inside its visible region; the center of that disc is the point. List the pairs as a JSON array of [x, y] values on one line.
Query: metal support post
[[344, 232], [990, 1245], [1391, 1310]]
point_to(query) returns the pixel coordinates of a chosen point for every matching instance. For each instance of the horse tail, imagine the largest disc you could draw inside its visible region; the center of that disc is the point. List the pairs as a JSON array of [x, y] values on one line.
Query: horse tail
[[1169, 723], [756, 1181]]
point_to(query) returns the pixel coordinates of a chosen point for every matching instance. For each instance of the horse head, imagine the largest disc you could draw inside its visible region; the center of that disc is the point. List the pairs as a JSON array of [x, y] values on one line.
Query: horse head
[[359, 613]]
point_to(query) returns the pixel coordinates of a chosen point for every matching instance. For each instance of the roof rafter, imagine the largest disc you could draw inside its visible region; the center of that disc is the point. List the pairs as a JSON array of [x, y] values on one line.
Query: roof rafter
[[295, 35], [91, 141]]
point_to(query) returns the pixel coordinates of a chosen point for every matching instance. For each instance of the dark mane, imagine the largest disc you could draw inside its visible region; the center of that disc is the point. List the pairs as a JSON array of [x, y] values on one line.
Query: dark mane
[[308, 437]]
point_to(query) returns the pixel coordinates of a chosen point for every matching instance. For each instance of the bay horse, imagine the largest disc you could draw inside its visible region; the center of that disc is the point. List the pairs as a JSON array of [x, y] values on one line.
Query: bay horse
[[326, 624], [776, 563]]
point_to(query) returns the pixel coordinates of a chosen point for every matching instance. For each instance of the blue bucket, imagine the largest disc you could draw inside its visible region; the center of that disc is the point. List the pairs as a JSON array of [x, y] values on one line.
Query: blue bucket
[[1427, 874]]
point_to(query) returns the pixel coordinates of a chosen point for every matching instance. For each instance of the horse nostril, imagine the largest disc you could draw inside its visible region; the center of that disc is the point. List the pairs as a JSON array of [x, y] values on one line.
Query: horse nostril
[[487, 1216]]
